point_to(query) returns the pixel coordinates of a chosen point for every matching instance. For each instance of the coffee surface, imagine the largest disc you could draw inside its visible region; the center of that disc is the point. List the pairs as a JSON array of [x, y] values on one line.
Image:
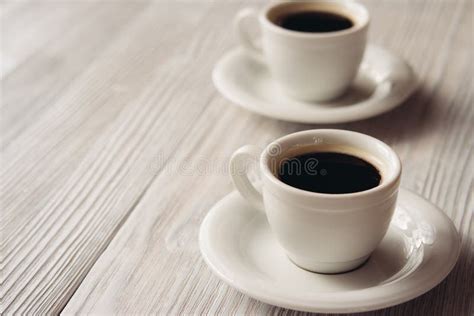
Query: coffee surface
[[329, 172], [314, 21]]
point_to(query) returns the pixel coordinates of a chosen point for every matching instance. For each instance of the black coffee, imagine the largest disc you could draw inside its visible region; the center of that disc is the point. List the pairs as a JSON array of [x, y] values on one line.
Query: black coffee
[[314, 21], [329, 172]]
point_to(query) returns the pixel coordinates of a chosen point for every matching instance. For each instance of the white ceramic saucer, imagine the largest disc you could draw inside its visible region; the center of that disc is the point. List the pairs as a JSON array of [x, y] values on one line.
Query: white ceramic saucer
[[384, 81], [419, 250]]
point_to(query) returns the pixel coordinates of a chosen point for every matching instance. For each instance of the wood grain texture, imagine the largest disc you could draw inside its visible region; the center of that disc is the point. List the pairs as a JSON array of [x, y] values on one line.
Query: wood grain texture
[[115, 145]]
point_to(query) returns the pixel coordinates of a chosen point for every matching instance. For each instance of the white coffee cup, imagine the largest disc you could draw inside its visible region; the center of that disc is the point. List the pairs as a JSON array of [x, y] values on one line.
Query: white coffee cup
[[309, 66], [326, 233]]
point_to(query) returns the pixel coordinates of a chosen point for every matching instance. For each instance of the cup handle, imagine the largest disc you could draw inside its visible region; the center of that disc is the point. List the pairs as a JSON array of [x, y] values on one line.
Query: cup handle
[[244, 37], [238, 172]]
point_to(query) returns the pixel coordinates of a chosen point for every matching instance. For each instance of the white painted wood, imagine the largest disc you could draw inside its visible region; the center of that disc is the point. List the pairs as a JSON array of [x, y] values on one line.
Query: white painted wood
[[115, 145]]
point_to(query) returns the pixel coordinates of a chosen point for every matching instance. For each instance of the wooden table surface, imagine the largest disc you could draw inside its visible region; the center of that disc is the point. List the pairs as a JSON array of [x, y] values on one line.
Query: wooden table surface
[[114, 146]]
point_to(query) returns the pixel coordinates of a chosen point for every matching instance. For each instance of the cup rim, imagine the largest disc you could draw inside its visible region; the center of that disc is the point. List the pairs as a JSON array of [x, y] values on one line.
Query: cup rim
[[263, 17], [390, 182]]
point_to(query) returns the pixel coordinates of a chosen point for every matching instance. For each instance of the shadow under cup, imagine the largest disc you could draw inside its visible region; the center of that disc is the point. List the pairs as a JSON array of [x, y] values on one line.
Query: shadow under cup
[[329, 233]]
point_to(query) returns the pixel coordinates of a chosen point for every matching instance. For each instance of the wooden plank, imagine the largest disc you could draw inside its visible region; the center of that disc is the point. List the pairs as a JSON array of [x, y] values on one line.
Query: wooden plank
[[32, 25], [72, 177], [153, 264], [49, 71], [72, 121]]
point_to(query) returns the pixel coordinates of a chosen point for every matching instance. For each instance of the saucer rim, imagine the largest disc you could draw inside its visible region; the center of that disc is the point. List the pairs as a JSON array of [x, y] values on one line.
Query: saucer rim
[[406, 292], [244, 100]]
